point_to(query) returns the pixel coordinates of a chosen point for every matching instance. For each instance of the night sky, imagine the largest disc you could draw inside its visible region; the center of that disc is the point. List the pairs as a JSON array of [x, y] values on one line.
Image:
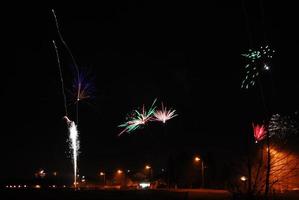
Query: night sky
[[186, 55]]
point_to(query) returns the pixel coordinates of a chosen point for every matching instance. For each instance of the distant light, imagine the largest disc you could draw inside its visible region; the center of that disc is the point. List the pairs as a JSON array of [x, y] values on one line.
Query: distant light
[[147, 167], [119, 171], [102, 173], [162, 170], [144, 185], [6, 186], [14, 186], [19, 186], [54, 173], [128, 171], [10, 186], [197, 159], [63, 186], [37, 186], [243, 178], [25, 186], [266, 67], [54, 186]]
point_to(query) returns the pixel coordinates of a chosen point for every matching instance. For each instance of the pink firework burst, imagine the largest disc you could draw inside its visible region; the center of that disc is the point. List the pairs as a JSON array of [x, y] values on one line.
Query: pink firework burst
[[163, 114], [259, 132]]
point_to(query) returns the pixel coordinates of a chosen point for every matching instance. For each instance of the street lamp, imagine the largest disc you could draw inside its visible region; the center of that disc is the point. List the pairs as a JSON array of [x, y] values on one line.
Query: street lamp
[[244, 180], [104, 177], [149, 168], [197, 159]]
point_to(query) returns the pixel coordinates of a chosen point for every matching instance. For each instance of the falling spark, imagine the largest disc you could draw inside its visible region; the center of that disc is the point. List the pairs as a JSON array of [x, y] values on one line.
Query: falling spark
[[258, 62], [163, 115], [137, 119], [259, 132], [74, 145]]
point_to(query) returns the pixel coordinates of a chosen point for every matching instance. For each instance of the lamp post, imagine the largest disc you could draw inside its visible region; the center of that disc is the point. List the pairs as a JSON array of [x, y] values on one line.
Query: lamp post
[[149, 168], [104, 177], [197, 159], [244, 180], [122, 176]]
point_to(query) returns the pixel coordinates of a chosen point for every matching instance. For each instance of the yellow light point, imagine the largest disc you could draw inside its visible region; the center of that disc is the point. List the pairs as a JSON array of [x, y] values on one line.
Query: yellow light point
[[102, 173], [147, 167], [243, 178], [119, 171], [37, 186], [196, 159]]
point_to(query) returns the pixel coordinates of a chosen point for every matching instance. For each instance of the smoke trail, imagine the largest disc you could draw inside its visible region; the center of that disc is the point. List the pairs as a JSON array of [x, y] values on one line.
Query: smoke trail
[[73, 59], [61, 78]]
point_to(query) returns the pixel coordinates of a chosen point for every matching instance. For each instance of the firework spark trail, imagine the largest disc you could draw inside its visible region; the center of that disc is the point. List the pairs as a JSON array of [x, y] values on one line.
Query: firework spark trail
[[73, 132], [61, 78], [74, 145], [83, 88], [258, 61], [137, 119], [259, 132], [282, 126], [163, 115], [73, 59]]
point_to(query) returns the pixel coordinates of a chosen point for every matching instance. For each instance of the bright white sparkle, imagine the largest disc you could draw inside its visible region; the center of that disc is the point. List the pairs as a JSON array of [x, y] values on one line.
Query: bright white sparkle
[[163, 115], [74, 145]]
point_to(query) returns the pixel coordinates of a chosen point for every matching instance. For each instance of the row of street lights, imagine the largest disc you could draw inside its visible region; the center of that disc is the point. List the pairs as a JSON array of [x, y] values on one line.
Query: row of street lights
[[197, 159], [119, 171]]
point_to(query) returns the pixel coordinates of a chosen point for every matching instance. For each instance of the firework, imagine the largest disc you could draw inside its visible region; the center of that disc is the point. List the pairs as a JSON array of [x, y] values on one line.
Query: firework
[[83, 87], [281, 126], [74, 145], [258, 62], [137, 119], [259, 132], [163, 115]]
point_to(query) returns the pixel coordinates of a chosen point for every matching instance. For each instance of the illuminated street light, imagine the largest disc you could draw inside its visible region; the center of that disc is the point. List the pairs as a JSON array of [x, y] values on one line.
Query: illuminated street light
[[119, 171], [104, 176], [150, 170], [83, 179], [197, 159], [147, 167], [243, 178]]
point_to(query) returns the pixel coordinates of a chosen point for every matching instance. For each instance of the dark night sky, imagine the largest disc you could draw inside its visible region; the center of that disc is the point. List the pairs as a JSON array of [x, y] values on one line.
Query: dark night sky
[[187, 55]]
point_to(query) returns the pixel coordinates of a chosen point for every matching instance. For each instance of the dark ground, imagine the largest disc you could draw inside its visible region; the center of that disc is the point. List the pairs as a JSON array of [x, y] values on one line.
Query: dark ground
[[182, 194], [110, 194]]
